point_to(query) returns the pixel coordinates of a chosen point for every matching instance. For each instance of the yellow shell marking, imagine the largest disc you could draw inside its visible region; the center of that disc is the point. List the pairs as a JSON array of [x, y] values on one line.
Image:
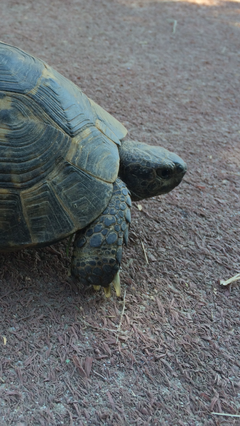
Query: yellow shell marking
[[5, 103], [45, 74], [4, 191], [75, 145], [107, 124]]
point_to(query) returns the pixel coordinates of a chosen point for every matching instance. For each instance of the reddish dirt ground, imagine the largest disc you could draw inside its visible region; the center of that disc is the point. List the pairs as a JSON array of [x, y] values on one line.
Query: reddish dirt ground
[[167, 352]]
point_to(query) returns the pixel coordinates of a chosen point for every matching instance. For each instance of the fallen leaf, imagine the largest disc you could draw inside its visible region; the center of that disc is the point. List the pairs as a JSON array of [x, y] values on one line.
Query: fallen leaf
[[77, 364], [88, 365], [111, 400]]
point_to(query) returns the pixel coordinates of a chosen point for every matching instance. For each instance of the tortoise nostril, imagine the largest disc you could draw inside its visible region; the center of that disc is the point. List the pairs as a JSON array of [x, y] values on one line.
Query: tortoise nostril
[[181, 168]]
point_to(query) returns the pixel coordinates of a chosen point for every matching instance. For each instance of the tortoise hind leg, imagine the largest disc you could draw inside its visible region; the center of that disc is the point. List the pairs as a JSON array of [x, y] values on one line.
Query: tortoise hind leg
[[97, 250]]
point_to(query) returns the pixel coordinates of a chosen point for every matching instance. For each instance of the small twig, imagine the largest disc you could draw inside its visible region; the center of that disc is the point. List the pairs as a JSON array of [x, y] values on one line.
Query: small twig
[[69, 244], [226, 414], [174, 26], [121, 318], [23, 35], [94, 372], [52, 250], [96, 328], [230, 280], [232, 173], [101, 328], [7, 294], [144, 252]]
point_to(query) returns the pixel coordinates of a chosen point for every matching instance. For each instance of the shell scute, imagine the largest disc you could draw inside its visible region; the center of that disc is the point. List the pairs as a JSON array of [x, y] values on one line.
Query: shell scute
[[58, 153], [19, 72], [13, 227]]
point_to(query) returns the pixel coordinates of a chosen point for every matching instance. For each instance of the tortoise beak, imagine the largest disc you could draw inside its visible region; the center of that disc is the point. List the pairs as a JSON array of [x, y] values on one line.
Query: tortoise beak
[[181, 168]]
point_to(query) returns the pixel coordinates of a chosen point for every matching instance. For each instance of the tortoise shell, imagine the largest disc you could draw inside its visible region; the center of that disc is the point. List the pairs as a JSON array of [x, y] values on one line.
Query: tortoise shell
[[58, 153]]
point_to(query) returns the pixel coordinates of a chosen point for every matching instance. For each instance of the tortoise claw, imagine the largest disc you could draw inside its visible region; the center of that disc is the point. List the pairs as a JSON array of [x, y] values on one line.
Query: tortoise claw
[[116, 284], [107, 291], [97, 287]]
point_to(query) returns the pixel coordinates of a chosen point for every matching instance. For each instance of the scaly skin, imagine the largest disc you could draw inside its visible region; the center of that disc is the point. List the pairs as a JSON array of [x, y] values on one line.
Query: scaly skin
[[147, 171], [98, 247]]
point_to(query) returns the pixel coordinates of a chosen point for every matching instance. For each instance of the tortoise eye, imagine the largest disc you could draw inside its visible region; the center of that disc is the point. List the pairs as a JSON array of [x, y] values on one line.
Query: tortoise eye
[[165, 172]]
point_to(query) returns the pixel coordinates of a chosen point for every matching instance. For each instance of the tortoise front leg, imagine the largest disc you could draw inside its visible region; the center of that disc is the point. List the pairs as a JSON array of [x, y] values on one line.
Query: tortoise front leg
[[97, 250]]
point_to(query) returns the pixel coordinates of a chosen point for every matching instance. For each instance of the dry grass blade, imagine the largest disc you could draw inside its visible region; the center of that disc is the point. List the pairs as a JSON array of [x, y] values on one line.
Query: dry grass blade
[[144, 252], [123, 309], [174, 26], [230, 280], [99, 328], [226, 414]]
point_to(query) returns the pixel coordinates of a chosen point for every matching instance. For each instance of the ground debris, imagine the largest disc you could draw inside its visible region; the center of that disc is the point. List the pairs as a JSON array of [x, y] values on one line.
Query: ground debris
[[167, 351]]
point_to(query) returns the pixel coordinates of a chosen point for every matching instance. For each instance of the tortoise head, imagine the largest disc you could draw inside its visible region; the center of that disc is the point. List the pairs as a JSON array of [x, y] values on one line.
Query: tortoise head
[[149, 170]]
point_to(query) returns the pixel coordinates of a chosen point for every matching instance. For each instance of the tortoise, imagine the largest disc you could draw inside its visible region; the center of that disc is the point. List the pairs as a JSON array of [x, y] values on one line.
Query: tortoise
[[66, 168]]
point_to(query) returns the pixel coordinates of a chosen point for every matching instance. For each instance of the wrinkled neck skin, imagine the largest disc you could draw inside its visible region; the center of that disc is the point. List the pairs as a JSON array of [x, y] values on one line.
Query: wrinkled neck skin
[[148, 170]]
